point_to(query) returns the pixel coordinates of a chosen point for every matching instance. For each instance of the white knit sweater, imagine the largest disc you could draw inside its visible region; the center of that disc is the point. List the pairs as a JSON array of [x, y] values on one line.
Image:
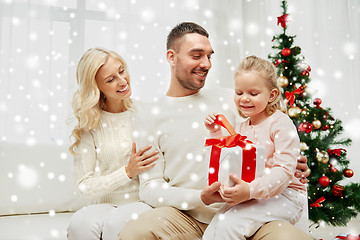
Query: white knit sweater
[[99, 166]]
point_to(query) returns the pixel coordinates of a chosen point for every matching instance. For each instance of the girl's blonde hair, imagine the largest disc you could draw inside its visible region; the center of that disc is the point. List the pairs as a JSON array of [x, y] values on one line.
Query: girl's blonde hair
[[268, 73], [88, 101]]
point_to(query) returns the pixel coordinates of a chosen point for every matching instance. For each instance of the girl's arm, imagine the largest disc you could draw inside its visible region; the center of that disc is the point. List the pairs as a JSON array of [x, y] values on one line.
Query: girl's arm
[[286, 150]]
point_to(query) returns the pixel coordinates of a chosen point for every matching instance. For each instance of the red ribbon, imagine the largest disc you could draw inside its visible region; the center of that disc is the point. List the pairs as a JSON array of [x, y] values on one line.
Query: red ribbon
[[290, 96], [235, 139], [277, 62], [349, 237], [317, 202], [336, 152]]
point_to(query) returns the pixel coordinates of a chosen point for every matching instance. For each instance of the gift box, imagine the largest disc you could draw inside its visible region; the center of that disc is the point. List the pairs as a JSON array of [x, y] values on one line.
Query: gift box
[[233, 154]]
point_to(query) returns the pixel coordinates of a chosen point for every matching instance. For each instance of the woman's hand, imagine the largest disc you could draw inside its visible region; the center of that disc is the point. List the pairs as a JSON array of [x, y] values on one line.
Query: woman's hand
[[140, 160]]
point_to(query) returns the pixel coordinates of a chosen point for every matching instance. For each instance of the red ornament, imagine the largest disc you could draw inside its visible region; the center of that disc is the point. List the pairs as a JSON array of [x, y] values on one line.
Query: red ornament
[[324, 181], [305, 127], [282, 20], [326, 127], [317, 102], [348, 173], [332, 168], [286, 52], [338, 190], [306, 72]]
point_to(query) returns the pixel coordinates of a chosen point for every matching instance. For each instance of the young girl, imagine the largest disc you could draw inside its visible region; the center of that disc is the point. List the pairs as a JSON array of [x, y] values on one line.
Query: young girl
[[277, 194], [106, 163]]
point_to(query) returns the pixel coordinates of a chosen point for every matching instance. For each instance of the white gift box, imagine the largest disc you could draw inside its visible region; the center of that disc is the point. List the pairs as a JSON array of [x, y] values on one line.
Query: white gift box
[[231, 161]]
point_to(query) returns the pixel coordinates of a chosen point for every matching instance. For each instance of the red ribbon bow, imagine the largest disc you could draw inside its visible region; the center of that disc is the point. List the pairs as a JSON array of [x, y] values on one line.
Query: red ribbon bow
[[282, 20], [235, 139], [317, 202], [349, 237], [277, 62], [228, 141], [290, 96], [337, 152]]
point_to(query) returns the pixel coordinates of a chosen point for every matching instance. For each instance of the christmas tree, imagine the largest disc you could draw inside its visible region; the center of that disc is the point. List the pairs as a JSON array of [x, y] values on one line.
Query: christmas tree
[[320, 134]]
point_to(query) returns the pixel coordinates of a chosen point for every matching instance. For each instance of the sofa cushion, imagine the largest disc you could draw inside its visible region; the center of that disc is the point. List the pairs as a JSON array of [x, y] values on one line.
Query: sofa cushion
[[36, 179]]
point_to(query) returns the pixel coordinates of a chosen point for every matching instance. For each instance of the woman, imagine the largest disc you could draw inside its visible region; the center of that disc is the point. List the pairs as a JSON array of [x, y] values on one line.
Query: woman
[[106, 163]]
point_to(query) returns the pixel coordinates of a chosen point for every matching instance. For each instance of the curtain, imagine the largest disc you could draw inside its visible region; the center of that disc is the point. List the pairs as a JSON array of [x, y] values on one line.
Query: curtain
[[41, 42]]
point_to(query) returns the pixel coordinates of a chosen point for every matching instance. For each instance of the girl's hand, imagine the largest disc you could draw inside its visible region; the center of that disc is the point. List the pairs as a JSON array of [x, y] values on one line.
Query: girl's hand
[[302, 169], [210, 123], [237, 194], [140, 160]]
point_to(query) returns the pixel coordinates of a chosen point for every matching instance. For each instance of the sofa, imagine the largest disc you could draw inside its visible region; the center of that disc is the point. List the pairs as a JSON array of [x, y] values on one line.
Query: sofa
[[37, 192]]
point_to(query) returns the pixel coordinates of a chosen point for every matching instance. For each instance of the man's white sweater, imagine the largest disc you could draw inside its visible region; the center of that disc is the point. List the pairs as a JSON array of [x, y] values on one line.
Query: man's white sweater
[[176, 126]]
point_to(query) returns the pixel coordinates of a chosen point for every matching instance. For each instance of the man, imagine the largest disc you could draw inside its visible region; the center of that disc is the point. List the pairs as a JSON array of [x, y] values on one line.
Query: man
[[176, 186]]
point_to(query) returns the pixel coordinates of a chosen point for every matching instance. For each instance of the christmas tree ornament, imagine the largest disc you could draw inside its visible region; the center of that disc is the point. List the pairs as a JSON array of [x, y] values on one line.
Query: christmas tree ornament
[[305, 127], [282, 81], [348, 173], [322, 156], [336, 152], [290, 96], [338, 190], [306, 71], [318, 202], [324, 181], [303, 146], [282, 20], [326, 127], [305, 112], [316, 124], [317, 102], [286, 52], [295, 50], [332, 168], [294, 112]]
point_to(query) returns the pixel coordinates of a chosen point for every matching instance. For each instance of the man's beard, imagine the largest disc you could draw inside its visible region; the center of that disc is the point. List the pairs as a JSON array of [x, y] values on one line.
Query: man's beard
[[188, 85]]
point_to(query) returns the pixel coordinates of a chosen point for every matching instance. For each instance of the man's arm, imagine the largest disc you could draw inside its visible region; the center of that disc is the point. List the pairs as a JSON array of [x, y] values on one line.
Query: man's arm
[[155, 191], [154, 187]]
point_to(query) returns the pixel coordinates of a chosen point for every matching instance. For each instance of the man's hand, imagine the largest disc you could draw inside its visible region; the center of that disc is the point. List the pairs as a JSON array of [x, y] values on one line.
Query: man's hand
[[236, 194], [302, 169], [210, 194]]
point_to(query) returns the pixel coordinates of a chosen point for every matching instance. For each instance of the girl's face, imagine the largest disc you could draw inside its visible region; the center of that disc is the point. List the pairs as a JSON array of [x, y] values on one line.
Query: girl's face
[[252, 95], [113, 81]]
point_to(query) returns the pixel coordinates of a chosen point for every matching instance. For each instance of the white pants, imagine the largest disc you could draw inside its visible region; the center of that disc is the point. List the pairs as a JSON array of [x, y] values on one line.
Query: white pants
[[244, 219], [103, 221]]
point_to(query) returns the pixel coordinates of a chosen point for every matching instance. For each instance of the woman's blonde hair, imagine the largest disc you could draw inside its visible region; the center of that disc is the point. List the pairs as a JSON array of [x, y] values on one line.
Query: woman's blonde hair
[[88, 101], [268, 73]]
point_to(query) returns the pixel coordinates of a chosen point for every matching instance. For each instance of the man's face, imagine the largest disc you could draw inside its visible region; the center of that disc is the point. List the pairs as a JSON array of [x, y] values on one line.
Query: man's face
[[193, 61]]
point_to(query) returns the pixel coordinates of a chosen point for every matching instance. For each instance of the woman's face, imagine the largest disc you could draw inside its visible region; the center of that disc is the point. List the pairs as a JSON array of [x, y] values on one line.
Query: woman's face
[[113, 81]]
